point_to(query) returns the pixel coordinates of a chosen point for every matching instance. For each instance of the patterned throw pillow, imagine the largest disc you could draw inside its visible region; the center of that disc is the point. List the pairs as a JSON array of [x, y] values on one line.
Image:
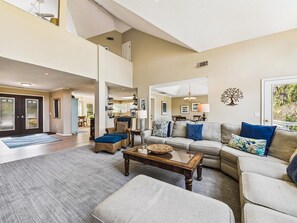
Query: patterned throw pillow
[[160, 129], [254, 146], [121, 127]]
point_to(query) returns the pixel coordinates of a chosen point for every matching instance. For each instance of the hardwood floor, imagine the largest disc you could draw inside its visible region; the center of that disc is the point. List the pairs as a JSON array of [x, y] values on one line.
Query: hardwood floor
[[68, 142]]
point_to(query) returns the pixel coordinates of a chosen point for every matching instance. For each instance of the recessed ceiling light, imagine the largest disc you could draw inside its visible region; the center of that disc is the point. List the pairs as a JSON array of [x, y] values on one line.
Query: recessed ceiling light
[[26, 84], [46, 74]]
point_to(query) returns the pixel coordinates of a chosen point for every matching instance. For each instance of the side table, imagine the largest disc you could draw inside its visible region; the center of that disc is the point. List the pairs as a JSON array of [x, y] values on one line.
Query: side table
[[134, 133]]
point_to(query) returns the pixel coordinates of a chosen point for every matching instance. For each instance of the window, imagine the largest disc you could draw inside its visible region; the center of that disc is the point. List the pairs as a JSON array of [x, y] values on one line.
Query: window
[[90, 110], [57, 107]]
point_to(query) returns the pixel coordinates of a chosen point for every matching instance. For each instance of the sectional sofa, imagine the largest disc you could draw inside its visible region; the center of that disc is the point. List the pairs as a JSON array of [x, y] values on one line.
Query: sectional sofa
[[267, 194]]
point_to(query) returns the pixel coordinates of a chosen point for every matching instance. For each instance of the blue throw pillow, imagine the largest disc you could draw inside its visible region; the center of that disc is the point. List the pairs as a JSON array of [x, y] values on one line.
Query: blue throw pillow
[[169, 129], [194, 131], [292, 169], [258, 132]]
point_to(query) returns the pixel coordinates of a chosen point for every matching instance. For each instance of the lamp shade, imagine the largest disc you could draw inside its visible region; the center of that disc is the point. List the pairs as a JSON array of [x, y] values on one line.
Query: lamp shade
[[141, 114], [204, 108]]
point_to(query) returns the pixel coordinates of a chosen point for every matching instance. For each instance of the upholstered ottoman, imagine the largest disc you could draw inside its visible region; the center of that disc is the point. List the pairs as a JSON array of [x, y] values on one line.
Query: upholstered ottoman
[[148, 200], [108, 143]]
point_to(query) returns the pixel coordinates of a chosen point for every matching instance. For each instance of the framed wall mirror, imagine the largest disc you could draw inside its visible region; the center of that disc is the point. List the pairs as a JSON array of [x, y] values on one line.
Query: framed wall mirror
[[57, 108]]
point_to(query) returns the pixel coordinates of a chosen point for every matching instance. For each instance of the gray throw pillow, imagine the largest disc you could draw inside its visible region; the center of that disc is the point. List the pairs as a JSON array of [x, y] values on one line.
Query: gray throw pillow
[[180, 129], [160, 129], [227, 130]]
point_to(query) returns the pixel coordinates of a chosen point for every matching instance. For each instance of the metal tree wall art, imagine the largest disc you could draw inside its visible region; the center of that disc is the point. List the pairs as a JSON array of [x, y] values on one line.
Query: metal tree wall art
[[231, 95]]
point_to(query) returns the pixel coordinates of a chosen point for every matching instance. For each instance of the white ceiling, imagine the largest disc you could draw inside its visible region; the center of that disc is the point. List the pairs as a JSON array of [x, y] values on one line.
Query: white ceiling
[[204, 24], [19, 72], [88, 20], [136, 21], [199, 87]]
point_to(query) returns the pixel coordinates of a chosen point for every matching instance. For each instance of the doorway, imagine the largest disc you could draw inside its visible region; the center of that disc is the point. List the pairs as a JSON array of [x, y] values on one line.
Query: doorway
[[20, 115], [153, 109]]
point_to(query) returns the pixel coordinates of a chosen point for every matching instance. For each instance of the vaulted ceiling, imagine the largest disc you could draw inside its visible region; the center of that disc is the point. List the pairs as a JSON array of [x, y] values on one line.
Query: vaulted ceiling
[[196, 24], [203, 24]]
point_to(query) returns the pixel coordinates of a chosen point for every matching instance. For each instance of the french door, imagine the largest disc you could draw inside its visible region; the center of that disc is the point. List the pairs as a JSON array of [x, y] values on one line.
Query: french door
[[279, 102], [20, 115]]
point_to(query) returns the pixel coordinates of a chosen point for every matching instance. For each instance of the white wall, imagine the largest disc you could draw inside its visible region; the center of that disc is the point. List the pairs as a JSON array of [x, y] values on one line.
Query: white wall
[[30, 39], [158, 107], [113, 69], [178, 102], [240, 65], [63, 124]]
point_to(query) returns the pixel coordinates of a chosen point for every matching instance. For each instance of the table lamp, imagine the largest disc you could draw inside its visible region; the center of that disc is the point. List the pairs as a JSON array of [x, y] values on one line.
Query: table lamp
[[142, 115], [204, 108]]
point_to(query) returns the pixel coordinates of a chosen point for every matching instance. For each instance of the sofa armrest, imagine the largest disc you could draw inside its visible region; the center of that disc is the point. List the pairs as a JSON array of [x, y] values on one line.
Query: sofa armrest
[[146, 133], [110, 130]]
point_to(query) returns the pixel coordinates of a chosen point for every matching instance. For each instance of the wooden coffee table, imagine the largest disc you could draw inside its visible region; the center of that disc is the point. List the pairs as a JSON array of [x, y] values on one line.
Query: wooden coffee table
[[178, 161]]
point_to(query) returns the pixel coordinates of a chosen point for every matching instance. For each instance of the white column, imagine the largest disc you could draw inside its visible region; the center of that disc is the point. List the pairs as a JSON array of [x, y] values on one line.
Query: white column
[[63, 14]]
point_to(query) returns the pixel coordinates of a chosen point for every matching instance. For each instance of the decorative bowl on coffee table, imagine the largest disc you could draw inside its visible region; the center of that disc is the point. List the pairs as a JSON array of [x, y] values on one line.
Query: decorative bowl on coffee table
[[159, 149]]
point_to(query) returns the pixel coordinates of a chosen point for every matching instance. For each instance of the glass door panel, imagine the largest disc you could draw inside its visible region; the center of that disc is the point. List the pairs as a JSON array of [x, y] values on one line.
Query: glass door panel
[[7, 114], [284, 106], [279, 102], [32, 113]]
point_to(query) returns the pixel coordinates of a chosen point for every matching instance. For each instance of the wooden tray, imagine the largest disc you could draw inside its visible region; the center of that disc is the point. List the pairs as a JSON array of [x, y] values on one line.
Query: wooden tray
[[159, 148]]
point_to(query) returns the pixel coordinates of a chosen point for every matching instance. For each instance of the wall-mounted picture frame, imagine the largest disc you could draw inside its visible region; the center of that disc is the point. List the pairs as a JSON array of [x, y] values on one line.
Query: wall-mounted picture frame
[[195, 107], [164, 108], [184, 109], [142, 104]]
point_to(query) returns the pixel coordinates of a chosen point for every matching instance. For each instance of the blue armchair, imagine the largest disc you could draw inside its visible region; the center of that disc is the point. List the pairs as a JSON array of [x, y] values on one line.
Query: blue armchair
[[126, 137]]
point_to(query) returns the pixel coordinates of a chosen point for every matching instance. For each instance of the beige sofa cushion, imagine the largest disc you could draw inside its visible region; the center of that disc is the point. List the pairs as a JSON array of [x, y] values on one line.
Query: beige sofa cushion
[[177, 142], [283, 145], [231, 155], [211, 131], [206, 147], [227, 130], [263, 167], [229, 168], [255, 214], [148, 200], [211, 161], [268, 192], [155, 140]]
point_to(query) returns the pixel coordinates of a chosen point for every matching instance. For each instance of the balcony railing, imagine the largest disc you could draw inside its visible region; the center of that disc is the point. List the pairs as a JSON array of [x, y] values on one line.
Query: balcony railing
[[291, 126]]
